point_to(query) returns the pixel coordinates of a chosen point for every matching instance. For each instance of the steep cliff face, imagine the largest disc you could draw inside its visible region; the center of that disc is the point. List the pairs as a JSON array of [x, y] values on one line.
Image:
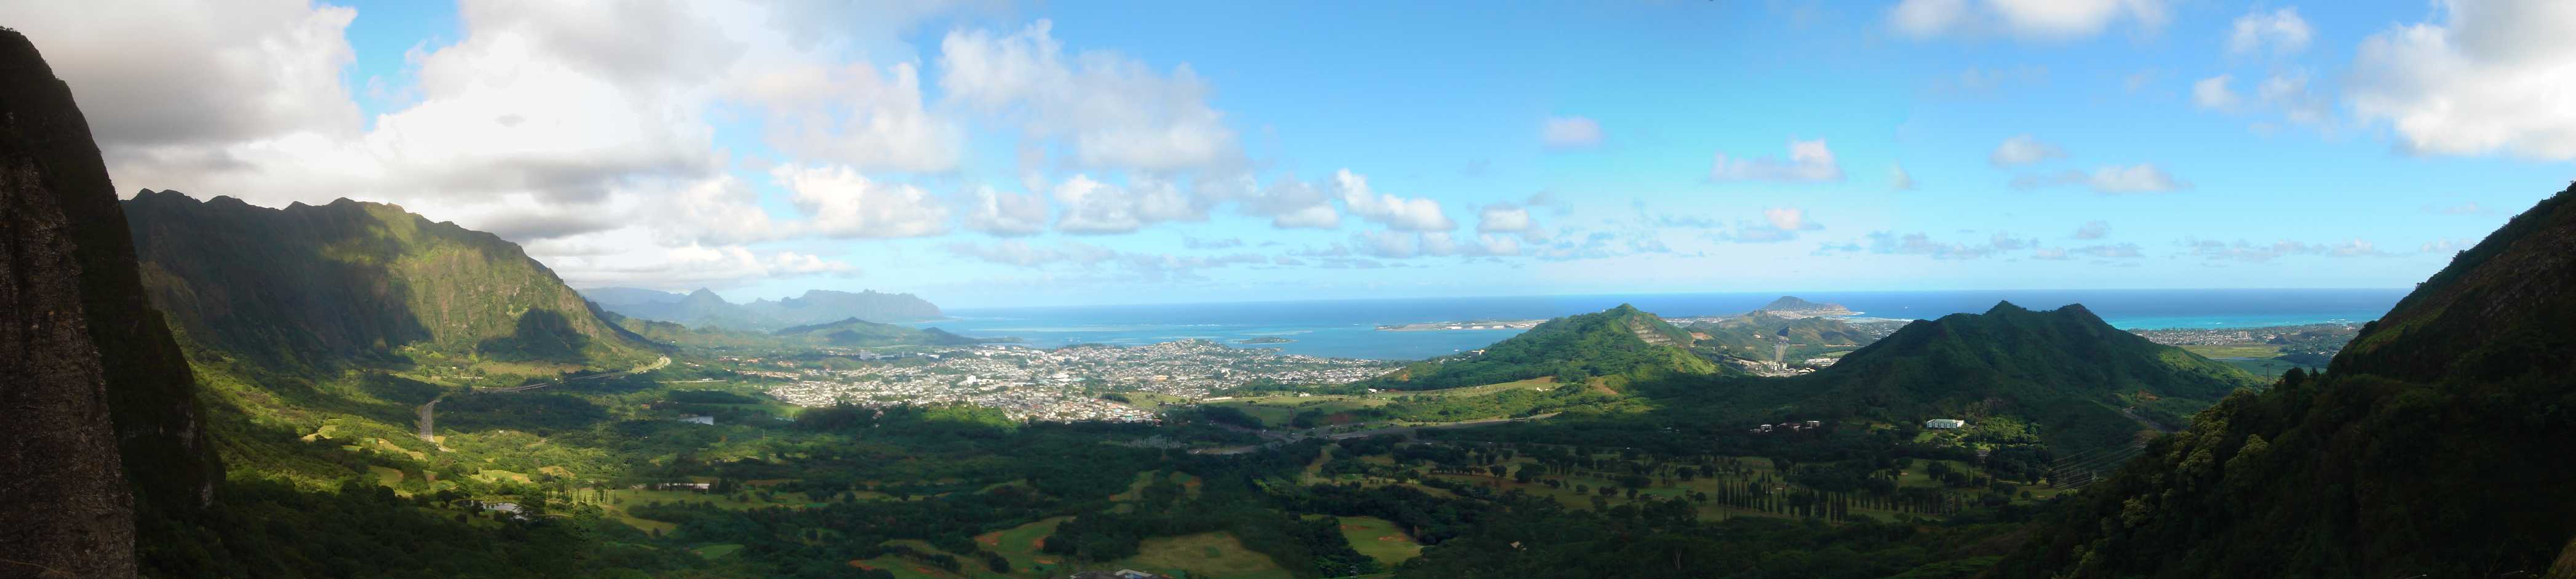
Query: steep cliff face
[[319, 286], [72, 514]]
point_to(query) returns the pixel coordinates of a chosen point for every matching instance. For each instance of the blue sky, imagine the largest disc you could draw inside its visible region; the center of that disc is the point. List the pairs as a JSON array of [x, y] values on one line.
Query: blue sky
[[1542, 149]]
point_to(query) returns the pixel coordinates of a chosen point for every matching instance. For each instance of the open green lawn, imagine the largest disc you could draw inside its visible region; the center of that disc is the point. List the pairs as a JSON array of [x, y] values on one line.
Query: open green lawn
[[1379, 539], [717, 551], [1539, 383], [1217, 554], [1020, 545], [2265, 368], [2255, 351]]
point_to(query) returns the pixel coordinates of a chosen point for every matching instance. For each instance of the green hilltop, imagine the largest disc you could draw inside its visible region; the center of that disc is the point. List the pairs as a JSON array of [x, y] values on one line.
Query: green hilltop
[[311, 287], [2063, 370], [1622, 342], [2433, 446], [1752, 336]]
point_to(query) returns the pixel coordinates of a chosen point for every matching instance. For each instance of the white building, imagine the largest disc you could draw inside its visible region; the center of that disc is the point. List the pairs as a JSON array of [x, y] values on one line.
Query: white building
[[1944, 423], [706, 420]]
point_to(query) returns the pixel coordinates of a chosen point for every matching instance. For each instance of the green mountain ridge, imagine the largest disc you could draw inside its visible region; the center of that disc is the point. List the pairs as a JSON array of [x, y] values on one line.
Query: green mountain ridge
[[314, 287], [2063, 370], [2427, 450], [1618, 342], [1752, 336]]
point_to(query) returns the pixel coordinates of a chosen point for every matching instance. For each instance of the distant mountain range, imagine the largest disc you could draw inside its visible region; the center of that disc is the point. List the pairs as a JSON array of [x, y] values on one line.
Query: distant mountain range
[[703, 308], [312, 287]]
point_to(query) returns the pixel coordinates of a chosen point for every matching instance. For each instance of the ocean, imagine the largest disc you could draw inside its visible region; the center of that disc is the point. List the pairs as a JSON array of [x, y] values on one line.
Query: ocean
[[1348, 328]]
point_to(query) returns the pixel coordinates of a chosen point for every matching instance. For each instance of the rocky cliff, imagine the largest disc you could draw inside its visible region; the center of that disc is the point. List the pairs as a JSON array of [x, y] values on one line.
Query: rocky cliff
[[84, 363]]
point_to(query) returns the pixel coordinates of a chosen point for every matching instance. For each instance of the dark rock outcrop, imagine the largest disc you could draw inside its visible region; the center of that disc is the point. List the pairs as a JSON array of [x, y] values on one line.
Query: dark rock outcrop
[[69, 512]]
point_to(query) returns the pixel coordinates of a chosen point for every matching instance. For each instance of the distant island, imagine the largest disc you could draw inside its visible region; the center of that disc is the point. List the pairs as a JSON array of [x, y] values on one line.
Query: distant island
[[1469, 325], [1264, 340], [1792, 307]]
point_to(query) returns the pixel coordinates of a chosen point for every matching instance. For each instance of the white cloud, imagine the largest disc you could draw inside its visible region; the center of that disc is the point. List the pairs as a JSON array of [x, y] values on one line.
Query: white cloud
[[1113, 111], [2282, 31], [1777, 224], [2490, 77], [2032, 19], [1808, 161], [1898, 179], [840, 202], [2258, 253], [1291, 203], [618, 259], [2023, 150], [1504, 218], [2212, 93], [1569, 132], [178, 73], [2110, 180], [1005, 214], [851, 114], [1398, 213], [2093, 230]]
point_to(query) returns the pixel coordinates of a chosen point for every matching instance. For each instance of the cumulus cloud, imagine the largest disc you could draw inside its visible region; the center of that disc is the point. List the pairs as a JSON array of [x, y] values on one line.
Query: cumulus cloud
[[1507, 218], [1398, 213], [854, 115], [2031, 19], [2022, 150], [1094, 207], [1005, 214], [175, 73], [1113, 111], [1569, 132], [1808, 161], [2281, 31], [2489, 77], [1777, 224], [1291, 203], [607, 259], [2093, 230], [2109, 180], [840, 202], [2213, 93]]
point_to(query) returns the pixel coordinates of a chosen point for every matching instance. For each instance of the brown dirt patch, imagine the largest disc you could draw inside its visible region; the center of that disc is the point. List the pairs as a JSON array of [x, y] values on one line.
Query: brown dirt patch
[[989, 539]]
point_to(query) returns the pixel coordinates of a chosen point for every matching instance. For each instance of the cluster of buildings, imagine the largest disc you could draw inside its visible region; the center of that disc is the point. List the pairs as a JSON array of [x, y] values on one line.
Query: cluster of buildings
[[1062, 384], [1787, 426]]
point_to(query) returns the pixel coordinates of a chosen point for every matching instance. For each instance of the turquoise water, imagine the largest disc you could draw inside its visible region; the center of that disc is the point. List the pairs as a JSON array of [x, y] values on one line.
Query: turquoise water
[[1347, 328]]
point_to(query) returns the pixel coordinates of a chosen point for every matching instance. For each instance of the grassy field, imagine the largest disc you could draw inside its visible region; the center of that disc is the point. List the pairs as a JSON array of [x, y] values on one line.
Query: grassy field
[[2265, 368], [1217, 554], [2254, 351], [716, 551], [1276, 411], [1379, 539], [1020, 545]]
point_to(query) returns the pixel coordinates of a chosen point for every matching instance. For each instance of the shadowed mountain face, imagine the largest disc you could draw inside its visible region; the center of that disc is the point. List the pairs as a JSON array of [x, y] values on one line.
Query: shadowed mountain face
[[87, 368], [318, 286], [2064, 370], [2434, 446]]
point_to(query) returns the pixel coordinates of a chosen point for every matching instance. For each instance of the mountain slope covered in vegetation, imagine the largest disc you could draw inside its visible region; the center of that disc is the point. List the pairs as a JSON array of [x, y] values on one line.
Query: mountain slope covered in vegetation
[[312, 287], [1621, 342], [2063, 370], [2431, 447]]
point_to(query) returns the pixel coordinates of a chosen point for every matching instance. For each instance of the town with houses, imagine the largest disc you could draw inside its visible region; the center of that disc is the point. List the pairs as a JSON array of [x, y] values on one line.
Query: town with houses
[[1062, 384]]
